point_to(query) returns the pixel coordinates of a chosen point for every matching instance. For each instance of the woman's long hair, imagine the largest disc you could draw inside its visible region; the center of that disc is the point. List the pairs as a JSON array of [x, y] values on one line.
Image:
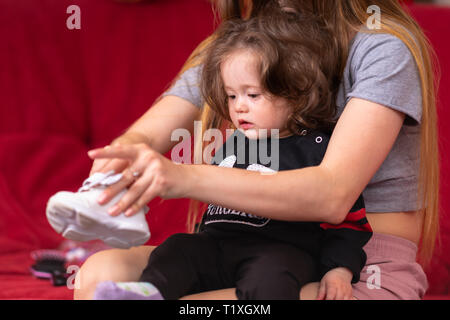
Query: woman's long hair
[[345, 16]]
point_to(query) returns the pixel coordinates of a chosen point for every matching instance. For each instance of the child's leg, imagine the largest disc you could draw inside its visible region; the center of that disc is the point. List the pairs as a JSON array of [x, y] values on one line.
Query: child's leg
[[110, 265], [183, 264], [275, 272]]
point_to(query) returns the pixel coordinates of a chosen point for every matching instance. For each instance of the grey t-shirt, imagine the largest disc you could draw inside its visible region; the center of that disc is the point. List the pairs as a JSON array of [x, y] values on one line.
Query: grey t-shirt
[[380, 68]]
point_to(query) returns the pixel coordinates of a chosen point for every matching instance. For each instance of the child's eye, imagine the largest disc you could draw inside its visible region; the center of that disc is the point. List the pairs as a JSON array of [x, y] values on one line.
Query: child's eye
[[232, 97], [253, 96]]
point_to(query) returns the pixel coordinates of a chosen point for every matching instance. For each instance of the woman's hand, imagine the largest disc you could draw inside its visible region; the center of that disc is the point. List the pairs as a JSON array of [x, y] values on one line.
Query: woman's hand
[[336, 285], [148, 175], [105, 165], [118, 165]]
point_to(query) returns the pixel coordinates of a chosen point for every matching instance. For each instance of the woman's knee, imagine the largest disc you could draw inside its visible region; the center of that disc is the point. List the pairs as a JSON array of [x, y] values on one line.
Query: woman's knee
[[110, 265]]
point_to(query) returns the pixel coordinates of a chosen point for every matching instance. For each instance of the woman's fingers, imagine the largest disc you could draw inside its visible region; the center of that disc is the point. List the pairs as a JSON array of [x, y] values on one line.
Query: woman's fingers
[[145, 198], [118, 165], [109, 193], [116, 158], [144, 190], [128, 152], [149, 175], [106, 165], [138, 178], [129, 203], [98, 165]]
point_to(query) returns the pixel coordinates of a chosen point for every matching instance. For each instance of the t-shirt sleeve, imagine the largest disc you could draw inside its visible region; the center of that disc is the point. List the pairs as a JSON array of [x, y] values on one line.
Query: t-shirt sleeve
[[384, 71], [187, 87]]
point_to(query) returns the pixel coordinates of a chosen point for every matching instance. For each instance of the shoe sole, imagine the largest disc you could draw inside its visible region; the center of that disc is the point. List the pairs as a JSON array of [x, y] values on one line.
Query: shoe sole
[[76, 225]]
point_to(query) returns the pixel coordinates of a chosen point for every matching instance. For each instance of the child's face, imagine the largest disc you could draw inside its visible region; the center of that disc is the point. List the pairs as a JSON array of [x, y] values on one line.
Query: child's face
[[250, 107]]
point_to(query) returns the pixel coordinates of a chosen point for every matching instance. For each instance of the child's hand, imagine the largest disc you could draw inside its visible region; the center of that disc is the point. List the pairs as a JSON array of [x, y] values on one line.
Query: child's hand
[[336, 285]]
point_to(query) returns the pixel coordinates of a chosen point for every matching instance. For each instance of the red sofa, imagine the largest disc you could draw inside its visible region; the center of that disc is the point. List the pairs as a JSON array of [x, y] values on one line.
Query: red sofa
[[66, 91]]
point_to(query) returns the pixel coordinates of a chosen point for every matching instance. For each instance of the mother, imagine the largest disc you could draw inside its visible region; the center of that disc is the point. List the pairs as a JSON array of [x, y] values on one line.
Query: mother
[[384, 145]]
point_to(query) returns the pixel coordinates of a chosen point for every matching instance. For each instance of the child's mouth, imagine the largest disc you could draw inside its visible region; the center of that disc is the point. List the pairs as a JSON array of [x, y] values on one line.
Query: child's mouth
[[245, 125]]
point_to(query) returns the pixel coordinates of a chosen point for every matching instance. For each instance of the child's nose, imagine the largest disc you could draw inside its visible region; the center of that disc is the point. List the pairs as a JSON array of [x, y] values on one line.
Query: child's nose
[[241, 105]]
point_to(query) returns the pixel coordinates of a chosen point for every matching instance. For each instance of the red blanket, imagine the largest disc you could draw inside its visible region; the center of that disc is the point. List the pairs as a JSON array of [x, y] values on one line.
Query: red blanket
[[64, 92]]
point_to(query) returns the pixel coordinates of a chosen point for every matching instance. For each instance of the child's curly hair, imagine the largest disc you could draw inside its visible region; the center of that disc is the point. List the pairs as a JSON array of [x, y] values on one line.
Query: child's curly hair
[[297, 61]]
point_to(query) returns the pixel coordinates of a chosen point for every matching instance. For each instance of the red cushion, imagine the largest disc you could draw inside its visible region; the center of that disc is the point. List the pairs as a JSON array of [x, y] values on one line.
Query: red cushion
[[65, 91], [434, 21], [131, 53]]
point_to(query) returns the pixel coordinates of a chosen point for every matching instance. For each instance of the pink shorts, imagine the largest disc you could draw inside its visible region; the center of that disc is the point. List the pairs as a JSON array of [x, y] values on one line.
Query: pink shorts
[[391, 271]]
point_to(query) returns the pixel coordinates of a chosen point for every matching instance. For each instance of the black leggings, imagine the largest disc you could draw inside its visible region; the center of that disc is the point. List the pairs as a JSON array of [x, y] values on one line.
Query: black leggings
[[260, 269]]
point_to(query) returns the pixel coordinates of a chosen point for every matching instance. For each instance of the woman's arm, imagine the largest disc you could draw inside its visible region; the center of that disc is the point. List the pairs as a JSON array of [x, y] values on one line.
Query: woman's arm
[[157, 124], [362, 139], [154, 129]]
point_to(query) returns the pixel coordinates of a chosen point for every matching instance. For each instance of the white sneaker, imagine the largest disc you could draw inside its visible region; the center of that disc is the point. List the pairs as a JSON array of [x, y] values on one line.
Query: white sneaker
[[78, 216]]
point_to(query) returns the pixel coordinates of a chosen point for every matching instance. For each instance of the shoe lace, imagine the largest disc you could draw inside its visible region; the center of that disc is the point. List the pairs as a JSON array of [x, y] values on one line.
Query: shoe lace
[[100, 179]]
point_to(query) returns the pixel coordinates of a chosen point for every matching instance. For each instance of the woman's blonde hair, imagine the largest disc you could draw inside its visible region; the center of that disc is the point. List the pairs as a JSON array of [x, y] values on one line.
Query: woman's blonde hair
[[345, 16]]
